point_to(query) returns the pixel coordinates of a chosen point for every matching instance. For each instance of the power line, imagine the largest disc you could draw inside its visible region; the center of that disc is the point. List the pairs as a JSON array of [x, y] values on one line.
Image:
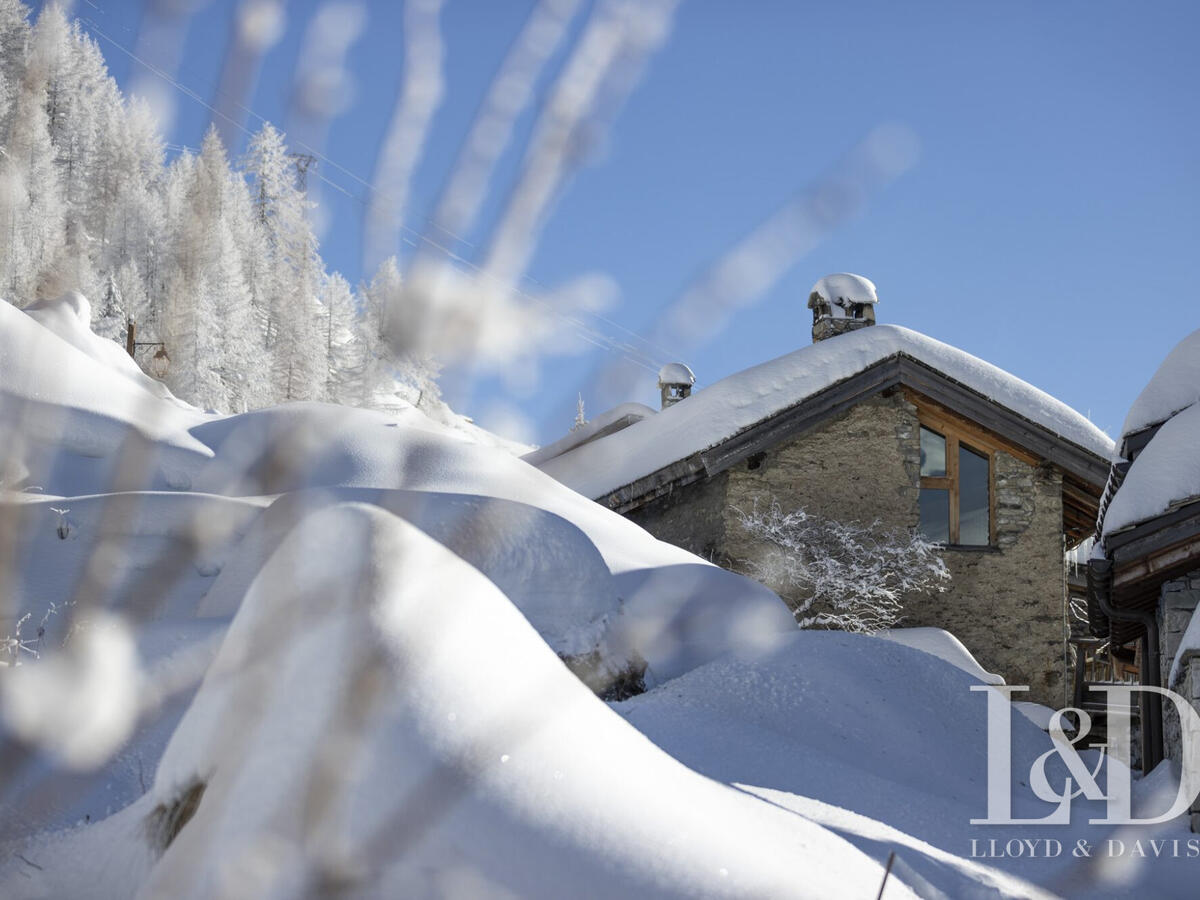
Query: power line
[[599, 338]]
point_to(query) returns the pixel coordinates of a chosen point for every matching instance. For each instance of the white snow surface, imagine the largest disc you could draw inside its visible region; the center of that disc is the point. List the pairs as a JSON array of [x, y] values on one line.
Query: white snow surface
[[887, 746], [1175, 386], [70, 317], [1166, 473], [675, 373], [945, 646], [527, 783], [735, 403], [72, 394]]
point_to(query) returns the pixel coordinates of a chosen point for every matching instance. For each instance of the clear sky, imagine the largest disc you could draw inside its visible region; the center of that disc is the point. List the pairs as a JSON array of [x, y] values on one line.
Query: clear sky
[[1049, 224]]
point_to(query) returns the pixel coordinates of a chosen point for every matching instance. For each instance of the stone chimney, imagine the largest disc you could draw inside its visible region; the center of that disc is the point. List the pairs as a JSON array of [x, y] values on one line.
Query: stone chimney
[[675, 381], [841, 303]]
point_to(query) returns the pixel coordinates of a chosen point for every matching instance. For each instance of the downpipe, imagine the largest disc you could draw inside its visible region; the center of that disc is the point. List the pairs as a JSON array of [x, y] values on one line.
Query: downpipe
[[1100, 584]]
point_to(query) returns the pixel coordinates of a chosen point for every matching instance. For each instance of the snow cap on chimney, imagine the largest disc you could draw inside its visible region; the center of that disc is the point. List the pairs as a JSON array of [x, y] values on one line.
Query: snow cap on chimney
[[841, 302], [675, 381]]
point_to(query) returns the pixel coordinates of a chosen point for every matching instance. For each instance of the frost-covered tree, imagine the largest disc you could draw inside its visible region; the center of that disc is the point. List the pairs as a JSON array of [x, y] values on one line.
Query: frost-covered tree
[[31, 201], [292, 273], [844, 576], [219, 264], [580, 418], [216, 349], [342, 341], [109, 318]]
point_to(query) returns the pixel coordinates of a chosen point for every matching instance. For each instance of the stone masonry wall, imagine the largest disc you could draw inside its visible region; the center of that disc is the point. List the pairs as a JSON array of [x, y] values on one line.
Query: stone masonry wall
[[1177, 603], [691, 517], [862, 466], [1004, 603]]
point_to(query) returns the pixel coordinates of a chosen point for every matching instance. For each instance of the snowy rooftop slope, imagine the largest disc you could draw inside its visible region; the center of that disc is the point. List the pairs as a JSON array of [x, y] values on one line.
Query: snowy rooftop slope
[[1166, 472], [723, 409], [1175, 386], [844, 289], [40, 370], [555, 796], [633, 411]]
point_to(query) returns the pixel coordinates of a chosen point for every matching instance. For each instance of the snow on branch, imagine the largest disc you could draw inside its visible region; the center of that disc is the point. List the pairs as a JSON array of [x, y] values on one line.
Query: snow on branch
[[851, 577]]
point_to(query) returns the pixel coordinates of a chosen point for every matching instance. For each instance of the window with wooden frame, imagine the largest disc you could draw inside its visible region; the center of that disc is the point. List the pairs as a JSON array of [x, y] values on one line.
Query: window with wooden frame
[[956, 487]]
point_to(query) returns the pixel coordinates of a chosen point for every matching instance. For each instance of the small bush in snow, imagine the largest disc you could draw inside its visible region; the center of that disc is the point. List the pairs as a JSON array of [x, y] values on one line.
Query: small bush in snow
[[852, 577]]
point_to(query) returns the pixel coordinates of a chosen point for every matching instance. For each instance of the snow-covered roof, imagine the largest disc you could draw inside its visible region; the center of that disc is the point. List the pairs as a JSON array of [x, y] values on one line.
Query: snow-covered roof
[[675, 373], [843, 289], [1175, 386], [735, 403], [620, 416], [1165, 474]]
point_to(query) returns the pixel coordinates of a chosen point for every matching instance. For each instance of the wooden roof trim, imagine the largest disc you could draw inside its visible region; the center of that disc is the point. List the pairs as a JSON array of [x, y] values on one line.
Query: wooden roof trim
[[1134, 443], [993, 416], [1172, 526], [1138, 583], [934, 413]]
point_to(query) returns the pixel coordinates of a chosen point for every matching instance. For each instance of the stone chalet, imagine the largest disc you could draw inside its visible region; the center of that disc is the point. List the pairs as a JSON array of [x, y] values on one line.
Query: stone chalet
[[871, 423], [1144, 571]]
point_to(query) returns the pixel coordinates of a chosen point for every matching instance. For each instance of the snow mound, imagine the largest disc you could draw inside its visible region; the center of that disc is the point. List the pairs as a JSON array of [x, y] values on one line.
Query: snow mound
[[70, 317], [67, 406], [842, 291], [1166, 473], [1175, 386], [835, 722], [945, 646], [357, 725], [733, 404], [546, 566]]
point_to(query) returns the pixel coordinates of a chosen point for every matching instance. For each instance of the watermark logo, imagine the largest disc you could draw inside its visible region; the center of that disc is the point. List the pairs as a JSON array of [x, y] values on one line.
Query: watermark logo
[[1080, 780]]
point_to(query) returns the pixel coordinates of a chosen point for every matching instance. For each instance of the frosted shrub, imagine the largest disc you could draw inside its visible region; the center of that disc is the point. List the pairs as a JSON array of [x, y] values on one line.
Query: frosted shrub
[[851, 577]]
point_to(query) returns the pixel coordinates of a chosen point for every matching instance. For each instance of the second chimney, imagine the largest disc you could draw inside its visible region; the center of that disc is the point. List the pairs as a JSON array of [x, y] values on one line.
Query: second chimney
[[675, 381]]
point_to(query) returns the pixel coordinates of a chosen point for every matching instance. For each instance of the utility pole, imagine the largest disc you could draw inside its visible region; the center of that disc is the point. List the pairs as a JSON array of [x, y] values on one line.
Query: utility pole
[[303, 162]]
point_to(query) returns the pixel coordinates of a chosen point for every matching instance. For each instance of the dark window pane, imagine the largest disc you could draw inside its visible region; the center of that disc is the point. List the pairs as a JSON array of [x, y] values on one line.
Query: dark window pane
[[933, 454], [935, 515], [972, 497]]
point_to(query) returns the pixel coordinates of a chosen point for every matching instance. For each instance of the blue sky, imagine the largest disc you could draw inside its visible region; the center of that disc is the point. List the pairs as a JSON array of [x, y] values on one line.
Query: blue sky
[[1046, 226]]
